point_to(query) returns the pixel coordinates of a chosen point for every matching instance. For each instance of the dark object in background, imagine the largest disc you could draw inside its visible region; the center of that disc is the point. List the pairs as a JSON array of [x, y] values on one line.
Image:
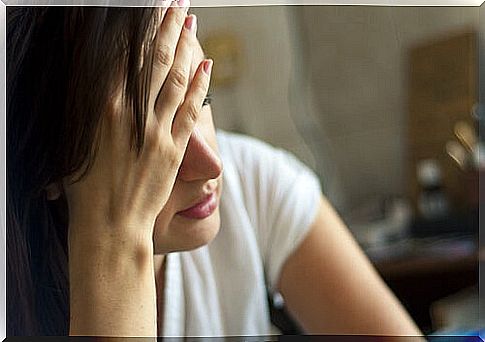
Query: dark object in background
[[280, 317], [432, 199], [442, 90], [460, 224]]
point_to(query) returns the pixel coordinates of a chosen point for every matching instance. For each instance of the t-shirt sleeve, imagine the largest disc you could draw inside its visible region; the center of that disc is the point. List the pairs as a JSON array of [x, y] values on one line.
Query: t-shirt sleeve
[[281, 196], [291, 205]]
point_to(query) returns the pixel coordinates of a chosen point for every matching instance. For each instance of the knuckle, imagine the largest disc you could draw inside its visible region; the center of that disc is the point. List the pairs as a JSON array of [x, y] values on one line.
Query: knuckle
[[164, 56], [157, 140], [174, 159], [153, 139], [192, 112], [179, 18], [178, 78], [201, 89]]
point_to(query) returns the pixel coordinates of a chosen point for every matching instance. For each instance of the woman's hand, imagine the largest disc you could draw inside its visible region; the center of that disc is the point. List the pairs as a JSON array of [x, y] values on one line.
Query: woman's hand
[[123, 190], [113, 208]]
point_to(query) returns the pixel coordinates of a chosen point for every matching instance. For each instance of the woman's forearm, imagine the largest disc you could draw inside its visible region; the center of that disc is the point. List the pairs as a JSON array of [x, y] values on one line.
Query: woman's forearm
[[112, 287], [114, 206]]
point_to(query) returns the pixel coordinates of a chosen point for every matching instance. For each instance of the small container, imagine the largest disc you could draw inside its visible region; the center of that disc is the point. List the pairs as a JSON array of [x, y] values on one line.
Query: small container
[[432, 201]]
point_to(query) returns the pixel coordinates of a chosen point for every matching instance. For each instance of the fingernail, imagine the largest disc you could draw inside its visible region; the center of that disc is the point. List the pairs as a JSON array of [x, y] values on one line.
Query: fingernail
[[208, 66], [183, 3], [191, 23]]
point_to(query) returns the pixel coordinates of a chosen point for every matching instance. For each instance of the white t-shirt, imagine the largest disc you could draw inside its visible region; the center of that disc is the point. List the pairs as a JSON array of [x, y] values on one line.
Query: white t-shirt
[[268, 202]]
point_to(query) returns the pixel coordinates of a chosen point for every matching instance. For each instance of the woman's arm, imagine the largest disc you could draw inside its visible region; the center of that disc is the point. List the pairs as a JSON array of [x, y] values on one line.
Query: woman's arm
[[331, 287], [112, 210], [112, 291]]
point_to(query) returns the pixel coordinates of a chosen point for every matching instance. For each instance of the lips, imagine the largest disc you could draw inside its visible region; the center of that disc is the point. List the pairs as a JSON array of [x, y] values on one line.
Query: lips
[[202, 209]]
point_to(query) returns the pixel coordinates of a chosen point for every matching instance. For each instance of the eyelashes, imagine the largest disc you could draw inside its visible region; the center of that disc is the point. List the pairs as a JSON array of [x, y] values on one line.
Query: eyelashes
[[207, 99]]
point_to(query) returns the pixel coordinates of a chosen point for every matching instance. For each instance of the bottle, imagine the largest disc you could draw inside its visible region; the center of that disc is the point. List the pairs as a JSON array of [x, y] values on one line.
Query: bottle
[[432, 201]]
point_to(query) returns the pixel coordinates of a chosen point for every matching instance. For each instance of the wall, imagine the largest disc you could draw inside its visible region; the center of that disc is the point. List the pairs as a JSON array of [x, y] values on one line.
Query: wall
[[358, 58]]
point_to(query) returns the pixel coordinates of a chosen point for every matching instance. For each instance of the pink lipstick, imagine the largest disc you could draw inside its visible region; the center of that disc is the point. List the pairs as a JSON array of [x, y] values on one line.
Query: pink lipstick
[[202, 209]]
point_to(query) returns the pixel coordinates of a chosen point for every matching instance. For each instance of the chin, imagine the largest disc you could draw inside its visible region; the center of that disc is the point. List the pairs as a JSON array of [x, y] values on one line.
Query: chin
[[185, 234]]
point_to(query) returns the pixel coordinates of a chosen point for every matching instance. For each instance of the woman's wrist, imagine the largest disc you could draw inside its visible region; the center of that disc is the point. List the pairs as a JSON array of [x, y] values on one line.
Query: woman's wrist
[[112, 283], [110, 250], [98, 231]]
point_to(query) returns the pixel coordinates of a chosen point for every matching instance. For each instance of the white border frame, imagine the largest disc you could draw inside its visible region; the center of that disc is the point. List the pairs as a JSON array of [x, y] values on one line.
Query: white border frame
[[194, 3]]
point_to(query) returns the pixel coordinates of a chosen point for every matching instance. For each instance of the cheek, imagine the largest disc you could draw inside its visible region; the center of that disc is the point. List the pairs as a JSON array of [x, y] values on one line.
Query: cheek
[[177, 235], [172, 233]]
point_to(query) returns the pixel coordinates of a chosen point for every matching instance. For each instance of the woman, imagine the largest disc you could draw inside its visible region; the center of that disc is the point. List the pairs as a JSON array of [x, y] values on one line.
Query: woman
[[120, 221]]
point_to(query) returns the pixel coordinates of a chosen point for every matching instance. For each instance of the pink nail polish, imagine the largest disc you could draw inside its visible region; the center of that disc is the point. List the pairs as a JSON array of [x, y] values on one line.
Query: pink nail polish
[[183, 3], [190, 22], [208, 66]]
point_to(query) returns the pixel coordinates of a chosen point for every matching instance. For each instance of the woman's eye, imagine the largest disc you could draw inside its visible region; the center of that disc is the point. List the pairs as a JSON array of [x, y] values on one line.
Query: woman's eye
[[207, 100]]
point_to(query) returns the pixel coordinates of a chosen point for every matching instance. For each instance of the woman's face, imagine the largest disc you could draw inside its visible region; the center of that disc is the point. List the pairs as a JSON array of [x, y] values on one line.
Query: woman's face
[[190, 218]]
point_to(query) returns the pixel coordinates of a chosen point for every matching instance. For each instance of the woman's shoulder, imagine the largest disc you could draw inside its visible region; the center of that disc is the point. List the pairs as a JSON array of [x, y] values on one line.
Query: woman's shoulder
[[247, 151], [273, 191], [236, 144], [249, 155]]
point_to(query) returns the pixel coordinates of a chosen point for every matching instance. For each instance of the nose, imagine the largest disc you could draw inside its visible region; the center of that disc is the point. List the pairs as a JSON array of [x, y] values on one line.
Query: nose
[[200, 161]]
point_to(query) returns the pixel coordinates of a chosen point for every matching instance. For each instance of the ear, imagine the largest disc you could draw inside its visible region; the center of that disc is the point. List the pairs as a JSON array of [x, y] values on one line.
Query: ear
[[53, 191]]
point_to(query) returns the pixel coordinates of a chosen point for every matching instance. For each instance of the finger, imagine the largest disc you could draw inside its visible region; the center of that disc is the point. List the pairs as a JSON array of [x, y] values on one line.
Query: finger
[[197, 58], [164, 50], [188, 113], [175, 86], [165, 4]]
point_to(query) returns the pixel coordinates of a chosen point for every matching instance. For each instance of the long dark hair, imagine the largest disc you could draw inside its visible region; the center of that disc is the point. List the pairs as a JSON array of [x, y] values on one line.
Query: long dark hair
[[61, 63]]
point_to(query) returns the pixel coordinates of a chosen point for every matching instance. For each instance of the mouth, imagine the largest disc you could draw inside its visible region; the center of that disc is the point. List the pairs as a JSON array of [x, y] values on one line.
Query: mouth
[[202, 209]]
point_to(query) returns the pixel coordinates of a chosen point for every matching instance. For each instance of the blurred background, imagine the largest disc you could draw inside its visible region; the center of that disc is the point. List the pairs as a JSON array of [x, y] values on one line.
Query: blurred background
[[382, 103]]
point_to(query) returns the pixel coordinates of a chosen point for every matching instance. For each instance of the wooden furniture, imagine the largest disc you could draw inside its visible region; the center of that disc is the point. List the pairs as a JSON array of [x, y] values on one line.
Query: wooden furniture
[[442, 89], [419, 281]]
